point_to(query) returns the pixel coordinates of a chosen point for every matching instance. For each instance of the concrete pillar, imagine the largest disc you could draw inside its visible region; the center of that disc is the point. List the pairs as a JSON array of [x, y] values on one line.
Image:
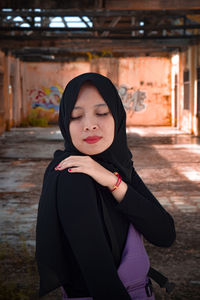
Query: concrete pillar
[[192, 69], [6, 91], [16, 94], [198, 91], [174, 101], [194, 113], [2, 112], [172, 93], [24, 86], [180, 90], [22, 89]]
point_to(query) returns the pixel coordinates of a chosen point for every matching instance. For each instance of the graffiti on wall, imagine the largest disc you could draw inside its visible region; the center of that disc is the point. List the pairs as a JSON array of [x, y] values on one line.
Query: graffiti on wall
[[132, 101], [46, 98], [49, 98]]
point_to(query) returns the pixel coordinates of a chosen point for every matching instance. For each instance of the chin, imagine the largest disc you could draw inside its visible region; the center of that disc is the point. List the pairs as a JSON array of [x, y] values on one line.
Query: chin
[[92, 149], [92, 152]]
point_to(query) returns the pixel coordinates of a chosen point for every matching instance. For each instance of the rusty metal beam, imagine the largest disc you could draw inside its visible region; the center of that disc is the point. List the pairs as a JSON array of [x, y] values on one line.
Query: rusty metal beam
[[102, 29], [82, 37], [89, 45], [97, 12], [112, 24], [152, 4], [108, 4], [69, 56], [67, 52]]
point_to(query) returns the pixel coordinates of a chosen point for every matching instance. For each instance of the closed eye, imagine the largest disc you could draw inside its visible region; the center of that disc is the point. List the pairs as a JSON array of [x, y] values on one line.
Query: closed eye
[[98, 114], [75, 118], [105, 114]]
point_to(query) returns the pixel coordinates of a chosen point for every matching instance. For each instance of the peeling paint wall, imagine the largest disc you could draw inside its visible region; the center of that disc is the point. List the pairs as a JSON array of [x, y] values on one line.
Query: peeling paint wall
[[143, 83], [152, 88], [45, 83], [108, 67], [147, 80], [144, 86]]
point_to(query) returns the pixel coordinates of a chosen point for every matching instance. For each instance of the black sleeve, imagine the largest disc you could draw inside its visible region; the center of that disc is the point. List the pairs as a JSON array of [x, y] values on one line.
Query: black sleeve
[[146, 214], [78, 213]]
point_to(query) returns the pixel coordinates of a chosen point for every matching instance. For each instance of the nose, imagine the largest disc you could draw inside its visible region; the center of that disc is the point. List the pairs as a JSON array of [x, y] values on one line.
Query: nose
[[90, 127], [90, 122]]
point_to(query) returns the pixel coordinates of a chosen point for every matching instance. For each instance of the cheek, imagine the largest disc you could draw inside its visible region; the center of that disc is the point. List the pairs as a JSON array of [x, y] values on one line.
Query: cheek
[[109, 128], [74, 130]]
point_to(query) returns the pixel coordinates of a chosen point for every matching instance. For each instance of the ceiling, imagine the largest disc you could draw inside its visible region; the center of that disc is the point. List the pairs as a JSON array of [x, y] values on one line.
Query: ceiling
[[69, 30]]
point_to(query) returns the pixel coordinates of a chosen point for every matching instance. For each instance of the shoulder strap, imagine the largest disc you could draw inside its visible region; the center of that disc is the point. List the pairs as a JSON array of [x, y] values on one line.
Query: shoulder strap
[[161, 280]]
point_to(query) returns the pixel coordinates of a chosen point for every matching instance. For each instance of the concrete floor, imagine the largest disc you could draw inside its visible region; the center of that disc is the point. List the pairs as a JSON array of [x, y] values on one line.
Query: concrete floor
[[167, 159]]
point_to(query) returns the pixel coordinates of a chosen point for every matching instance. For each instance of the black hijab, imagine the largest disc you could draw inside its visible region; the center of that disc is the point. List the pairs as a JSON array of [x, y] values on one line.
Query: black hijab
[[117, 157], [53, 225]]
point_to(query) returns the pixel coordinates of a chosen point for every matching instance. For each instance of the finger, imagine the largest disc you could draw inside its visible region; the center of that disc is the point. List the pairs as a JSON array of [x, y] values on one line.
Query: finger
[[76, 158], [66, 160], [75, 170], [65, 166], [73, 161], [65, 163]]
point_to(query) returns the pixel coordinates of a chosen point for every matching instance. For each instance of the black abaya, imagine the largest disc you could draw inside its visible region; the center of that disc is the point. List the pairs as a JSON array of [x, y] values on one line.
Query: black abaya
[[72, 242]]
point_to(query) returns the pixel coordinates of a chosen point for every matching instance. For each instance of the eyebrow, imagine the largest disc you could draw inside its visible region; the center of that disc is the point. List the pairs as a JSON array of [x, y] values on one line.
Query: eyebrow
[[97, 105]]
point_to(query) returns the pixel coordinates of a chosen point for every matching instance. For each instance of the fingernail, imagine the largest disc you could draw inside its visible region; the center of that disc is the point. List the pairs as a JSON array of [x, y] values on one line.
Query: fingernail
[[69, 170]]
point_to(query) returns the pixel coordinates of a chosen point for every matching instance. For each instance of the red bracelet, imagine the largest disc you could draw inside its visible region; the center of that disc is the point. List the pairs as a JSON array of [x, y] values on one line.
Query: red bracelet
[[119, 179]]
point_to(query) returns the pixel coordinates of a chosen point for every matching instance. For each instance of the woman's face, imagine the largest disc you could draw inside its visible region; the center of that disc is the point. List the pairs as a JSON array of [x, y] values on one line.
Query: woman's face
[[92, 125]]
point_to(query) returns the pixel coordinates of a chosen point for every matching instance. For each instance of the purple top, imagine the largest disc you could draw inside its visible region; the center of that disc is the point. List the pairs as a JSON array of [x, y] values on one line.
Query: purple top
[[133, 268]]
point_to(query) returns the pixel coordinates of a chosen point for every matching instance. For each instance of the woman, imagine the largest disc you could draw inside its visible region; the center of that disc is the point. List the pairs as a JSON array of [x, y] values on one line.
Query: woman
[[94, 207]]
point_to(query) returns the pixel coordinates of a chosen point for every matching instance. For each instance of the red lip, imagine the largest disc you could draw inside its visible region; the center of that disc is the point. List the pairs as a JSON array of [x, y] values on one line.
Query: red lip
[[92, 139]]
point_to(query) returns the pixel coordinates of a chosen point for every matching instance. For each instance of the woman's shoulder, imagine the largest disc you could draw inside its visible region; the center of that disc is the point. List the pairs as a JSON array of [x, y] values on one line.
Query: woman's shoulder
[[77, 180], [57, 157], [58, 153], [64, 176]]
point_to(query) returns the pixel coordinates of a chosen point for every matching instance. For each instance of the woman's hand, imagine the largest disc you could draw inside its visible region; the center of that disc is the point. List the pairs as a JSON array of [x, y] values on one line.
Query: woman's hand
[[85, 164]]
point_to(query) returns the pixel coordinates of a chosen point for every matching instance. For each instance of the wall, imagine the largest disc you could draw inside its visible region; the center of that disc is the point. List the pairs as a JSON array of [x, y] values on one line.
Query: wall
[[148, 82], [144, 84], [108, 67], [151, 88], [45, 83]]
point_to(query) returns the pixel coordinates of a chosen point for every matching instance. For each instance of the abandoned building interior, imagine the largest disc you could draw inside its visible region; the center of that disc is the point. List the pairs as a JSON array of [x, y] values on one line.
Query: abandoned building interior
[[149, 49]]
